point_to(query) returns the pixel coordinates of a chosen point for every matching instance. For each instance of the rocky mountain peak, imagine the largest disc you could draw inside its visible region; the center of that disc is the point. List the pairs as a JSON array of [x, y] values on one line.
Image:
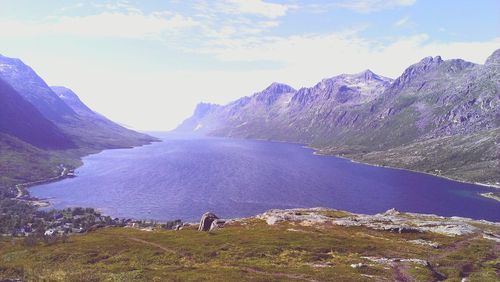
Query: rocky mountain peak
[[425, 65], [493, 59], [272, 93], [5, 59], [368, 75], [279, 88], [33, 88], [204, 108], [13, 66]]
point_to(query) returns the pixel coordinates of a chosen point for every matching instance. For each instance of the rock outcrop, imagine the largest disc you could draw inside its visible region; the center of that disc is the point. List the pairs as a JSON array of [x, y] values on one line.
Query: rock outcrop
[[392, 221], [207, 220], [311, 216]]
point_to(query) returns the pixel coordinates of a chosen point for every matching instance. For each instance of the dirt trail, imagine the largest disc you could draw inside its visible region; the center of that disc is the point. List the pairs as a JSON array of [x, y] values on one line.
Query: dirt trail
[[400, 273], [152, 244], [277, 274]]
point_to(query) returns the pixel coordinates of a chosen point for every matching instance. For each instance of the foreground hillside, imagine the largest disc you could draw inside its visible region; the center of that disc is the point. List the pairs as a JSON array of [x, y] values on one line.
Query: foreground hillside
[[445, 113], [280, 245]]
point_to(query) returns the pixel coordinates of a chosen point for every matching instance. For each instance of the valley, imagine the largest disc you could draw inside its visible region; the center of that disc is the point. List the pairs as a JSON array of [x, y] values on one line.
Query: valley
[[439, 117]]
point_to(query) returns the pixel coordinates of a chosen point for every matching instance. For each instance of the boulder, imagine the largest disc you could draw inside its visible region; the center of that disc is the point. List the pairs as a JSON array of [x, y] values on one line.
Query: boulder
[[206, 221], [217, 224]]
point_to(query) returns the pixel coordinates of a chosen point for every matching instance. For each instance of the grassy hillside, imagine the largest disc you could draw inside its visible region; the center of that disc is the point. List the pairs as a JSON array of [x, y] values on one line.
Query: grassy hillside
[[20, 162], [472, 157], [251, 250]]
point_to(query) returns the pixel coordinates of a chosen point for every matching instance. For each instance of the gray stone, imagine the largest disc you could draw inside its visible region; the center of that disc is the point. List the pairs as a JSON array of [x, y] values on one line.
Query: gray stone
[[391, 221], [217, 224], [206, 221]]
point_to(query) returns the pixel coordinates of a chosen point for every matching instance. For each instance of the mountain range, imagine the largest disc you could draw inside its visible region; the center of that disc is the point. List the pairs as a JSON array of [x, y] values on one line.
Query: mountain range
[[439, 116], [43, 127]]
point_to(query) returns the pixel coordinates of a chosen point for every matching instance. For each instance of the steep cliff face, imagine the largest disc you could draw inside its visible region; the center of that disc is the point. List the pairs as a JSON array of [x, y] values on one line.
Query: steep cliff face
[[359, 113], [95, 130], [33, 89], [22, 120], [64, 109], [283, 113], [72, 100], [199, 122]]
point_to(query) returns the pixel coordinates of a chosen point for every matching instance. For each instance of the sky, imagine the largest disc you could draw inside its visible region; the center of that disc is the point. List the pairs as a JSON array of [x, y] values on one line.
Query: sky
[[146, 64]]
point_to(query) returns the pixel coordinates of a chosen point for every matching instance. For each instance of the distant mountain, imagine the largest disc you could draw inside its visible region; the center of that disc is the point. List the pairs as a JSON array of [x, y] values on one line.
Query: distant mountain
[[22, 120], [85, 128], [283, 113], [71, 99], [33, 89], [435, 102], [94, 130], [42, 128]]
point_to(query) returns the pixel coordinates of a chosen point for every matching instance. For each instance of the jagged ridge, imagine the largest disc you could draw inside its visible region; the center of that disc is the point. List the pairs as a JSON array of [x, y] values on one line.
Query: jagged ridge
[[354, 114]]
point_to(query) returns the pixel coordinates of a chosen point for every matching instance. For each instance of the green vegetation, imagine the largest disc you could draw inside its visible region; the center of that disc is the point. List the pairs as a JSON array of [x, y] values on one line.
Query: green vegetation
[[23, 165], [472, 158], [251, 250], [21, 162]]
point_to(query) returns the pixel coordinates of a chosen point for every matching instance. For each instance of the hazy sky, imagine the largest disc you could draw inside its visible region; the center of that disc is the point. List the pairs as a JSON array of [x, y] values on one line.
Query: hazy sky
[[147, 64]]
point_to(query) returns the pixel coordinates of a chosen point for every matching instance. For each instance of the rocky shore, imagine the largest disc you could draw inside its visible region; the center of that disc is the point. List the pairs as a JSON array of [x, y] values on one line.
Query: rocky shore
[[492, 195]]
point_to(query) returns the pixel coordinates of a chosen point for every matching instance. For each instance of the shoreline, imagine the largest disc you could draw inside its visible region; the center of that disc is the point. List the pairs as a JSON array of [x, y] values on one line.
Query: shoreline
[[22, 188], [40, 203], [66, 173], [317, 152], [491, 195]]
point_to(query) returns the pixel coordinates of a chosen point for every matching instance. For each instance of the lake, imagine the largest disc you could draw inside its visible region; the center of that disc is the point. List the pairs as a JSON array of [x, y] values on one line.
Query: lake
[[185, 177]]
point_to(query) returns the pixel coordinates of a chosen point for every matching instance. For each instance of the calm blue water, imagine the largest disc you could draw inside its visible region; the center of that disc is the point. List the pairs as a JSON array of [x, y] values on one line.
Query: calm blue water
[[183, 178]]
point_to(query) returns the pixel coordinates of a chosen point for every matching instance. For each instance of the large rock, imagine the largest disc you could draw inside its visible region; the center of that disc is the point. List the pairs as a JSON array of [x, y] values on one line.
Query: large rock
[[206, 221], [217, 224]]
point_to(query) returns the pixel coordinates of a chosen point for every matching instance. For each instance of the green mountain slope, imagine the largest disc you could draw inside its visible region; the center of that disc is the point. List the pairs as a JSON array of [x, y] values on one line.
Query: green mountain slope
[[364, 116]]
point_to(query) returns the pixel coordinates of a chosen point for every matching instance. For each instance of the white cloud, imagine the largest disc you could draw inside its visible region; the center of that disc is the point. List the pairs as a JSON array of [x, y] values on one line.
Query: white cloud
[[369, 6], [107, 24], [72, 7], [254, 7], [402, 22], [306, 59], [120, 5]]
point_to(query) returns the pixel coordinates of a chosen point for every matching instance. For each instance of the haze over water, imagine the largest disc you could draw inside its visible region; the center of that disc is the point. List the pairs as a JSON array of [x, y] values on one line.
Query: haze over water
[[185, 177]]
